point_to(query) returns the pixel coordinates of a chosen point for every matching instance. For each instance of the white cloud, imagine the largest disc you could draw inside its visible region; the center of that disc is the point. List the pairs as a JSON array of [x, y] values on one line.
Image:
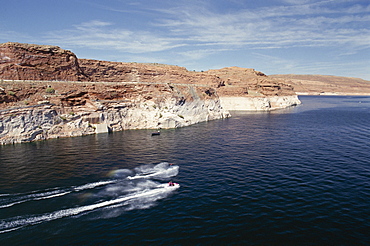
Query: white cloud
[[304, 23], [189, 32], [277, 65], [103, 35], [296, 2], [12, 36], [313, 24], [197, 54]]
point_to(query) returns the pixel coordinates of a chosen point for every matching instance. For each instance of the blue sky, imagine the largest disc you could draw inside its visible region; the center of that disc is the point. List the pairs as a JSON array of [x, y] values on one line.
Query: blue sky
[[329, 37]]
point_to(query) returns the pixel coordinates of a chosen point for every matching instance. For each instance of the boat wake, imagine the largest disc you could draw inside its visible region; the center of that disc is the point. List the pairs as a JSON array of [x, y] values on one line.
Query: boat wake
[[8, 200], [161, 171], [103, 197]]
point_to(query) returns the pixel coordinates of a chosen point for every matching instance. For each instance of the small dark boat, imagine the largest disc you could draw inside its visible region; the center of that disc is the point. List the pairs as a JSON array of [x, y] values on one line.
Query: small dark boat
[[156, 133]]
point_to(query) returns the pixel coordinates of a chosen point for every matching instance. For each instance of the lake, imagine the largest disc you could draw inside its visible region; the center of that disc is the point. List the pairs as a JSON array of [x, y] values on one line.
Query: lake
[[298, 176]]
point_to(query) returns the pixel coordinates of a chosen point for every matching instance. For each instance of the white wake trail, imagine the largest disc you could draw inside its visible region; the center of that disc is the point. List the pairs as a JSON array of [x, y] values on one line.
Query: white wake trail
[[138, 194], [33, 197], [93, 185], [162, 171], [37, 195], [153, 194]]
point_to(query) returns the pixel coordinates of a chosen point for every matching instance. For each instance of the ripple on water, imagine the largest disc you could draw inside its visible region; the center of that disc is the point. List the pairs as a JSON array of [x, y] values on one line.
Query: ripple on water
[[288, 178]]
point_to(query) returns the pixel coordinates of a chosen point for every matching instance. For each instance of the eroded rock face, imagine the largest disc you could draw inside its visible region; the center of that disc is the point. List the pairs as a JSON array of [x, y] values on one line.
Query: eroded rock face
[[266, 103], [246, 82], [230, 81], [112, 96], [326, 84], [105, 71], [44, 62], [66, 109], [38, 62]]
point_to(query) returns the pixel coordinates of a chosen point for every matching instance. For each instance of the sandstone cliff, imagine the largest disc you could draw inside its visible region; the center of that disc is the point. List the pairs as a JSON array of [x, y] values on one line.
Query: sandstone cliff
[[326, 84], [81, 108], [38, 62], [46, 92], [144, 72], [238, 81], [43, 62], [247, 89]]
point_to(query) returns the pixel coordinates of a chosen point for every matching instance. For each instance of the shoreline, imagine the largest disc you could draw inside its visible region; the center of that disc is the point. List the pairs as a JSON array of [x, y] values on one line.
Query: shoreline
[[332, 94]]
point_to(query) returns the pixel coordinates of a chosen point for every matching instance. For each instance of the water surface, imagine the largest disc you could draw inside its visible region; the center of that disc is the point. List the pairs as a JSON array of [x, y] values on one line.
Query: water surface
[[298, 176]]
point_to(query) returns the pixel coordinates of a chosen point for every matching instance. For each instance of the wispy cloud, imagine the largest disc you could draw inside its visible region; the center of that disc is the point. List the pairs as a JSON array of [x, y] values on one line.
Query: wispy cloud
[[104, 35], [297, 23], [189, 31], [13, 36], [277, 64], [275, 27]]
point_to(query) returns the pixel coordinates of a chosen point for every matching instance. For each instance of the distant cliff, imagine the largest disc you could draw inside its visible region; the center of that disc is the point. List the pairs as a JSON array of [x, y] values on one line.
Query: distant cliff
[[247, 89], [47, 92], [325, 84]]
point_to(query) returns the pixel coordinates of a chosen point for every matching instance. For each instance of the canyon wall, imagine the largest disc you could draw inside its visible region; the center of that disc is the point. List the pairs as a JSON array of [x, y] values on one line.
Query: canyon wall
[[47, 92], [250, 90], [258, 103], [67, 109], [326, 84], [38, 62]]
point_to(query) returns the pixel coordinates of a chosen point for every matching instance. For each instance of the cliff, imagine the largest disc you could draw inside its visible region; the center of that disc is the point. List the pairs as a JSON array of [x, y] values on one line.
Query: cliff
[[326, 84], [43, 62], [64, 109], [47, 92], [248, 89], [38, 62], [143, 72], [238, 81]]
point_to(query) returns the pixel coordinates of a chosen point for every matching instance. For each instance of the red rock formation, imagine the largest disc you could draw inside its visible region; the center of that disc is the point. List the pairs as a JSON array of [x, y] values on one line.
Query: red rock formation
[[43, 62], [326, 84], [238, 81], [143, 72], [38, 62], [48, 105]]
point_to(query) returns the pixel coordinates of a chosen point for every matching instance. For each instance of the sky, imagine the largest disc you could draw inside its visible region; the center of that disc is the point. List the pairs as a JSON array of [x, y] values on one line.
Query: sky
[[329, 37]]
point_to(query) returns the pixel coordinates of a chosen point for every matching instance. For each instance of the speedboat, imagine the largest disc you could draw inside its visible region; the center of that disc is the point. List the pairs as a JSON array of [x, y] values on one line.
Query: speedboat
[[171, 184]]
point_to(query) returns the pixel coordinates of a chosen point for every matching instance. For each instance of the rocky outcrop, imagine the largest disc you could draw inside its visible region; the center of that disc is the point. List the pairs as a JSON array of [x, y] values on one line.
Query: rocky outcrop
[[46, 92], [259, 103], [105, 71], [43, 62], [248, 89], [39, 123], [326, 84], [76, 109], [46, 122], [38, 62], [247, 82]]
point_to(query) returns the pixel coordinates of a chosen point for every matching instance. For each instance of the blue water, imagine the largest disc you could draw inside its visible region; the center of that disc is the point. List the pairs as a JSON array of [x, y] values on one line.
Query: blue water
[[299, 176]]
